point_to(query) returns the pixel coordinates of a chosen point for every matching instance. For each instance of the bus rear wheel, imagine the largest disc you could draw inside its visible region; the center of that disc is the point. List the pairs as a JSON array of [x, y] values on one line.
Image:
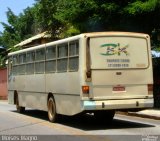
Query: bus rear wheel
[[19, 108], [52, 115]]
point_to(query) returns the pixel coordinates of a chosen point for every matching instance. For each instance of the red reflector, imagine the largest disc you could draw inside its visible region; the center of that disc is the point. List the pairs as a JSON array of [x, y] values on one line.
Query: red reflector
[[85, 89]]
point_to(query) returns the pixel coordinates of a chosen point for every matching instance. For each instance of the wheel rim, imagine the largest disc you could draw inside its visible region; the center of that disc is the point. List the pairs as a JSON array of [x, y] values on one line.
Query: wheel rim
[[17, 103], [51, 109]]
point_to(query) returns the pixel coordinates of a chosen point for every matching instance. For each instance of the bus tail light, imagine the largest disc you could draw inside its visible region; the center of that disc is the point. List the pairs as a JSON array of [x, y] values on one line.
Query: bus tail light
[[150, 88], [85, 89]]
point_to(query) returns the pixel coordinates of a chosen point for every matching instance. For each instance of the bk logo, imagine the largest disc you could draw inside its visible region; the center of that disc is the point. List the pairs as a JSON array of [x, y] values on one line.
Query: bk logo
[[113, 49]]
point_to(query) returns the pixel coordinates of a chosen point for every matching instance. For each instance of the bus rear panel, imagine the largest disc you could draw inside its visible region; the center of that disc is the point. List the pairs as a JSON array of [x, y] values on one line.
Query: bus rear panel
[[120, 72]]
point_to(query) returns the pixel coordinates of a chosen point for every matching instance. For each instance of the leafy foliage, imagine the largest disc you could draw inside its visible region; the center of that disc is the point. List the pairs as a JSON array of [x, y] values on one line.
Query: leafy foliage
[[63, 18], [17, 29], [140, 7], [87, 16], [45, 16]]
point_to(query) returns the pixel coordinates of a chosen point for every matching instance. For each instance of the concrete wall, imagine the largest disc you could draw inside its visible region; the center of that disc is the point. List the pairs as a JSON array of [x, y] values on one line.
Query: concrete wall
[[3, 83]]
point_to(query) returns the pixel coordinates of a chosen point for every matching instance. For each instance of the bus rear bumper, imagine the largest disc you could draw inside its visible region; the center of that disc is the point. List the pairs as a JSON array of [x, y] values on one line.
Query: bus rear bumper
[[117, 104]]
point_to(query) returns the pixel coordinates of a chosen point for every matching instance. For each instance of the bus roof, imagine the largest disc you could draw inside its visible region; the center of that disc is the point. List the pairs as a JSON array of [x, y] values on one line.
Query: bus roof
[[92, 34]]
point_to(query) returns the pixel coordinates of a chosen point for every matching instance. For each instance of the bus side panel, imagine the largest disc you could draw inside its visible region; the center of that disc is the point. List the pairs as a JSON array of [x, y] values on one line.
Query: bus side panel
[[33, 93], [33, 100], [30, 93], [35, 83], [67, 105], [10, 97], [65, 88]]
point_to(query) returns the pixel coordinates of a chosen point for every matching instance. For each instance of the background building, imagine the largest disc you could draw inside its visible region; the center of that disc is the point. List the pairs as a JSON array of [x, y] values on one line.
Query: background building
[[33, 41], [3, 83]]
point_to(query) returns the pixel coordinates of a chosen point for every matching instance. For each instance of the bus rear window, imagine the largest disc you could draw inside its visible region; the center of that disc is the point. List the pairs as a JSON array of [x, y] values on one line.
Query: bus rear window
[[118, 52]]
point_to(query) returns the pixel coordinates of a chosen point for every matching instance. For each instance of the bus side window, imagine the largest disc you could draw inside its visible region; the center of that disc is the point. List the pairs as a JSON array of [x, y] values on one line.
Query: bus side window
[[15, 64], [16, 60], [73, 56], [22, 58], [10, 65], [62, 60], [51, 59], [30, 57], [51, 52], [40, 61], [40, 54], [22, 61]]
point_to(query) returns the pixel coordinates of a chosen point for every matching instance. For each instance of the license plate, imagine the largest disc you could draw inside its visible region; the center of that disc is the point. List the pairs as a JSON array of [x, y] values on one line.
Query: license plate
[[117, 89]]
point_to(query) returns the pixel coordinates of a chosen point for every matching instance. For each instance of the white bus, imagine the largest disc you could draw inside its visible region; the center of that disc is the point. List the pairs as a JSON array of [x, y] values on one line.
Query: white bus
[[95, 73]]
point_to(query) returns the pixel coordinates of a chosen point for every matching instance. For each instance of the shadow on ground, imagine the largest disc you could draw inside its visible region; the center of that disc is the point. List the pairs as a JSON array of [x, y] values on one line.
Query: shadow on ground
[[87, 122]]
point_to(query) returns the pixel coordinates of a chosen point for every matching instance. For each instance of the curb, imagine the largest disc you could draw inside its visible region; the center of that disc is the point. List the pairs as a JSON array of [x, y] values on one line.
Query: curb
[[3, 100], [144, 115], [139, 115]]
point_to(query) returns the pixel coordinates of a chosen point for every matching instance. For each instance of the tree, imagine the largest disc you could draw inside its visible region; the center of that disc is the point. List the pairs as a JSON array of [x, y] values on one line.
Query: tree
[[90, 15], [45, 15], [18, 28], [95, 15], [148, 10], [63, 18]]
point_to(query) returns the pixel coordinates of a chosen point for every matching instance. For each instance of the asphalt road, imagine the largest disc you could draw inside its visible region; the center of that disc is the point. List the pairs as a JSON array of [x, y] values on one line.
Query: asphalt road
[[34, 125]]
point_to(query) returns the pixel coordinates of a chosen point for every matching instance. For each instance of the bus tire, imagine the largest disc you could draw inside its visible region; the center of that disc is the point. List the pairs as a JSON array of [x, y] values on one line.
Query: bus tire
[[19, 108], [52, 114]]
